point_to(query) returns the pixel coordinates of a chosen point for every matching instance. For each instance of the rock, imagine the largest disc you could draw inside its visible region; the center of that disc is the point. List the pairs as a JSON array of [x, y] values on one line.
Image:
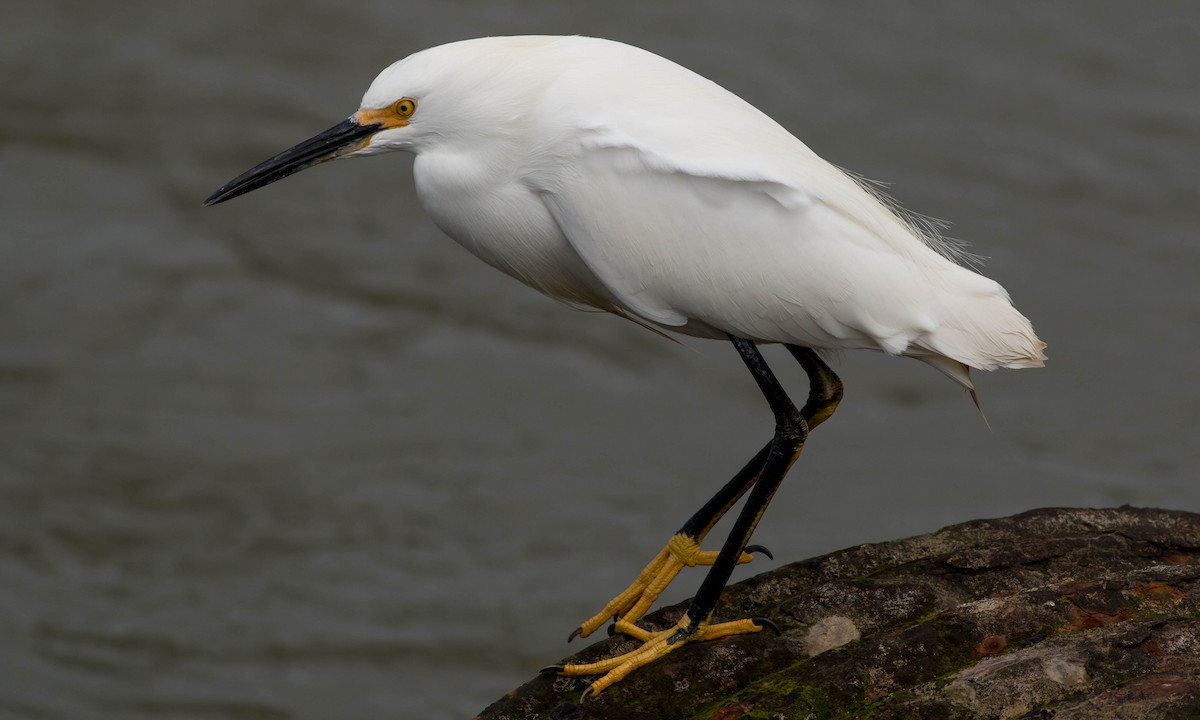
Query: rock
[[1055, 613]]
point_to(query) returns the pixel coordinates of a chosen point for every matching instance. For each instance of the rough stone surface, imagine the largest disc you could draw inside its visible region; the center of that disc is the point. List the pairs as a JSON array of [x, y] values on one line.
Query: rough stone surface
[[1056, 613]]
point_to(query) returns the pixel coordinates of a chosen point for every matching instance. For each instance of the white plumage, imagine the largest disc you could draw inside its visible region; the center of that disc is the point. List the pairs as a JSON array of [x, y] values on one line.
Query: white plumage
[[606, 176]]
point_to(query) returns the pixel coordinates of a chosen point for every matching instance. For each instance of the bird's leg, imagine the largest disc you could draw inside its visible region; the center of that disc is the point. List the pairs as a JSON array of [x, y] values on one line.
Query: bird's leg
[[791, 429], [824, 387], [683, 549]]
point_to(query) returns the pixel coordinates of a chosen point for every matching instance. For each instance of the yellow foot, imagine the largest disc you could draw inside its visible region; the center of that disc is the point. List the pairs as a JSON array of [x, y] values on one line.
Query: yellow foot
[[632, 604], [654, 645]]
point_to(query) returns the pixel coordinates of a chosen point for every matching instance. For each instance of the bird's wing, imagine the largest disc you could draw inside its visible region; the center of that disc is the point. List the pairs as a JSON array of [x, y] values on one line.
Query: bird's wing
[[694, 210], [711, 254], [749, 234], [643, 224]]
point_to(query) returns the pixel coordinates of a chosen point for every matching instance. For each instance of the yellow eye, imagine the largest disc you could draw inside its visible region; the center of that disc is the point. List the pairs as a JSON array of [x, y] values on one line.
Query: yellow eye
[[405, 107]]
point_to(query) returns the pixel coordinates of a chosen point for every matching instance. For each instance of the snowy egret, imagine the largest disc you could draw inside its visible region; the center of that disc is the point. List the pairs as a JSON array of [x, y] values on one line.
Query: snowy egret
[[608, 177]]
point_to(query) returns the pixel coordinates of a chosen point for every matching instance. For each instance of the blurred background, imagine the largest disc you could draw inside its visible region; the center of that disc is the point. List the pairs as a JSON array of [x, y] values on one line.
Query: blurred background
[[300, 456]]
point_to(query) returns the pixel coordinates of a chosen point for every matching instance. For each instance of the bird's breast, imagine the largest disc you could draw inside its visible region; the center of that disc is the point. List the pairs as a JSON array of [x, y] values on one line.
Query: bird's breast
[[503, 222]]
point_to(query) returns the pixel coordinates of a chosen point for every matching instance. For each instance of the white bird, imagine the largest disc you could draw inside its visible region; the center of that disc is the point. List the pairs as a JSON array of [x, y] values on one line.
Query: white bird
[[608, 177]]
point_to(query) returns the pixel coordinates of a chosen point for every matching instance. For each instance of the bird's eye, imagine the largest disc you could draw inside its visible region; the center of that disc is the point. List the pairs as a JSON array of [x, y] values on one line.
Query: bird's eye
[[405, 107]]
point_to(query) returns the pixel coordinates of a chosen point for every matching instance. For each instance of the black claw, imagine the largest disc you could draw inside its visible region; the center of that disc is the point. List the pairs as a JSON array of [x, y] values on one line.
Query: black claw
[[575, 633], [759, 549], [764, 622], [556, 669], [612, 630]]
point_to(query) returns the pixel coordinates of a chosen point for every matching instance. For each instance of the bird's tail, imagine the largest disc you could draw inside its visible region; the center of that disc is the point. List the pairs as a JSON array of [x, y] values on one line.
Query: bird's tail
[[985, 333]]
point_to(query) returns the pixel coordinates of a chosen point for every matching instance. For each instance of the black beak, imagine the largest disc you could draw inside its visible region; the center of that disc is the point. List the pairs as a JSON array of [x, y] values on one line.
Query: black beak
[[338, 140]]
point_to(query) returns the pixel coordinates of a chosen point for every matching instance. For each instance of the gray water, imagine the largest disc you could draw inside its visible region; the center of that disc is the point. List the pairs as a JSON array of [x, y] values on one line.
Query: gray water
[[299, 456]]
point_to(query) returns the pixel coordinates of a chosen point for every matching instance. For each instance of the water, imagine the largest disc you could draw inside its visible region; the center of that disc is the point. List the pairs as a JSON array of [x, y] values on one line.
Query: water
[[299, 456]]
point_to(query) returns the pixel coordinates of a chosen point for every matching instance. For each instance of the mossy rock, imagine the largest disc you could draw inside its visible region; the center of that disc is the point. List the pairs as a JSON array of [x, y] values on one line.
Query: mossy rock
[[1055, 613]]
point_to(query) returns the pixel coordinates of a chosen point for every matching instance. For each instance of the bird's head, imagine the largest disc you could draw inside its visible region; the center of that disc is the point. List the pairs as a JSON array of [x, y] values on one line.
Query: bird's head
[[442, 95]]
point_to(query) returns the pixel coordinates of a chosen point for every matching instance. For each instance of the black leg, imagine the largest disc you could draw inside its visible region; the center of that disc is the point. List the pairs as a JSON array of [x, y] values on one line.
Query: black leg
[[824, 387], [824, 394], [699, 524], [791, 429], [760, 477]]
